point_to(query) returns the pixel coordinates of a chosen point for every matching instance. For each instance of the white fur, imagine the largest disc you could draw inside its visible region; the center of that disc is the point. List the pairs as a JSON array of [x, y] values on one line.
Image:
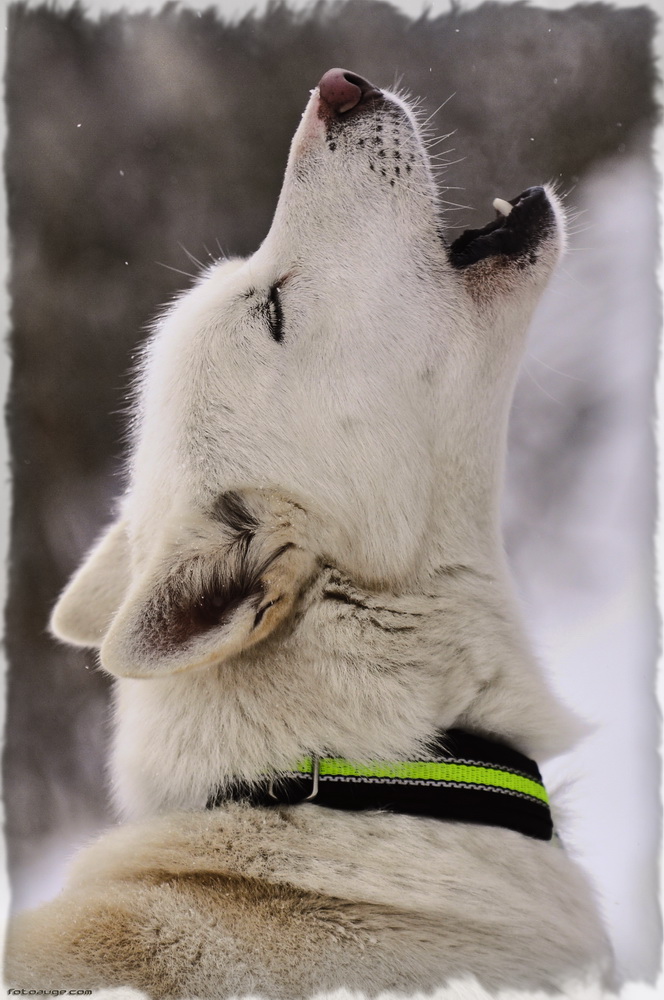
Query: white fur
[[365, 451]]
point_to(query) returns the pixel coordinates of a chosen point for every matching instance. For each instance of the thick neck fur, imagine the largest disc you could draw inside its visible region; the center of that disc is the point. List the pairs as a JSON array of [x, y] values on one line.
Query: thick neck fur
[[359, 674]]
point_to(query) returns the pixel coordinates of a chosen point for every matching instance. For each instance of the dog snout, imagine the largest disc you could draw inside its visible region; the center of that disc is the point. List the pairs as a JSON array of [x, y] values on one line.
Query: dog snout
[[342, 91]]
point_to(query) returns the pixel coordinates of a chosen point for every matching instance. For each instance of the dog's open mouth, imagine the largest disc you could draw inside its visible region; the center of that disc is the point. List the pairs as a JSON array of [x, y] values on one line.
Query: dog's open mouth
[[365, 127], [518, 229]]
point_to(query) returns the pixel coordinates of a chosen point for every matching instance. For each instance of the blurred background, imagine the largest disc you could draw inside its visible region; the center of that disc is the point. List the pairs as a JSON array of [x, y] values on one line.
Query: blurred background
[[140, 143]]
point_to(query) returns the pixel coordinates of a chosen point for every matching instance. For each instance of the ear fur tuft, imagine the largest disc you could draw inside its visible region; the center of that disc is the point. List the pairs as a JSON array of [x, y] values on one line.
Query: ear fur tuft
[[88, 603]]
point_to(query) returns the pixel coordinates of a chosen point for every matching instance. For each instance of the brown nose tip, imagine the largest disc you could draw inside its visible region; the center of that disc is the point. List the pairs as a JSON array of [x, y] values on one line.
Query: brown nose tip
[[342, 90]]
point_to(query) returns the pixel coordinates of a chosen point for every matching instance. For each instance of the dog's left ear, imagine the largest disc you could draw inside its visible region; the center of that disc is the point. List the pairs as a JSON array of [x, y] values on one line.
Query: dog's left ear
[[227, 583], [95, 592]]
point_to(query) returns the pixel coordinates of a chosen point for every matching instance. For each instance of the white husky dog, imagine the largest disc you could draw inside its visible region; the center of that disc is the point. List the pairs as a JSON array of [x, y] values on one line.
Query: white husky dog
[[307, 574]]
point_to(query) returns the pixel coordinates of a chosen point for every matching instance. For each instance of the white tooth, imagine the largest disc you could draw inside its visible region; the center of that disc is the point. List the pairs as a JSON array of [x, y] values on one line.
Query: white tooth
[[502, 206]]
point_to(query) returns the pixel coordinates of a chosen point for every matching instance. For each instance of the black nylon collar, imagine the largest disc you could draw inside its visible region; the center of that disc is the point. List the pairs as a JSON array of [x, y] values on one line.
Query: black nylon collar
[[470, 779]]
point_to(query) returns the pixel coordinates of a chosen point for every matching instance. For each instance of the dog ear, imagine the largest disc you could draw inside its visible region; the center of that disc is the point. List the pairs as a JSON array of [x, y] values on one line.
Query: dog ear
[[95, 592], [231, 583]]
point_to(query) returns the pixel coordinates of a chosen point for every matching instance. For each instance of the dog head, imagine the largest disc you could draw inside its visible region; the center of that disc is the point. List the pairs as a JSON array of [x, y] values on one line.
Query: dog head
[[339, 398]]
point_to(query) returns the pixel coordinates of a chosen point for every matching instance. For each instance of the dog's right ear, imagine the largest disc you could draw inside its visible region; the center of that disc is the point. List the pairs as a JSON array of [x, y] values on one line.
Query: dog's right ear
[[91, 598]]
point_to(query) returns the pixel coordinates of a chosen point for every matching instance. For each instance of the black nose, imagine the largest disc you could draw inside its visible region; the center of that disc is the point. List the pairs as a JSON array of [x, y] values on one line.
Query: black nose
[[342, 90]]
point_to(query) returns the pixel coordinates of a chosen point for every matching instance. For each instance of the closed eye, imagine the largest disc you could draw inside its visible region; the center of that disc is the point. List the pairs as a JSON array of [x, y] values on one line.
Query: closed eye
[[275, 316]]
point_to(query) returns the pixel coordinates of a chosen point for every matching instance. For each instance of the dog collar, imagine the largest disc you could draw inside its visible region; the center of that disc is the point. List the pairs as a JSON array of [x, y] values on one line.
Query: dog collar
[[467, 778]]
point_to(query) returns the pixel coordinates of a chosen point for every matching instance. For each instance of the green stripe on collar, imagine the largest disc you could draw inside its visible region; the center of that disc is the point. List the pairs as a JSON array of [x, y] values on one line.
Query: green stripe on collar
[[425, 770]]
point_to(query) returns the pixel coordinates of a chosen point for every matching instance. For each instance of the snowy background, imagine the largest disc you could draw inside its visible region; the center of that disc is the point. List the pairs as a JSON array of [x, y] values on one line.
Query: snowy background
[[137, 139]]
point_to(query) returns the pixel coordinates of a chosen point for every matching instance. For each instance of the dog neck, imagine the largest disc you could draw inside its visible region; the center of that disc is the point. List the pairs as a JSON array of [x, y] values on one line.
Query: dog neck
[[360, 674]]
